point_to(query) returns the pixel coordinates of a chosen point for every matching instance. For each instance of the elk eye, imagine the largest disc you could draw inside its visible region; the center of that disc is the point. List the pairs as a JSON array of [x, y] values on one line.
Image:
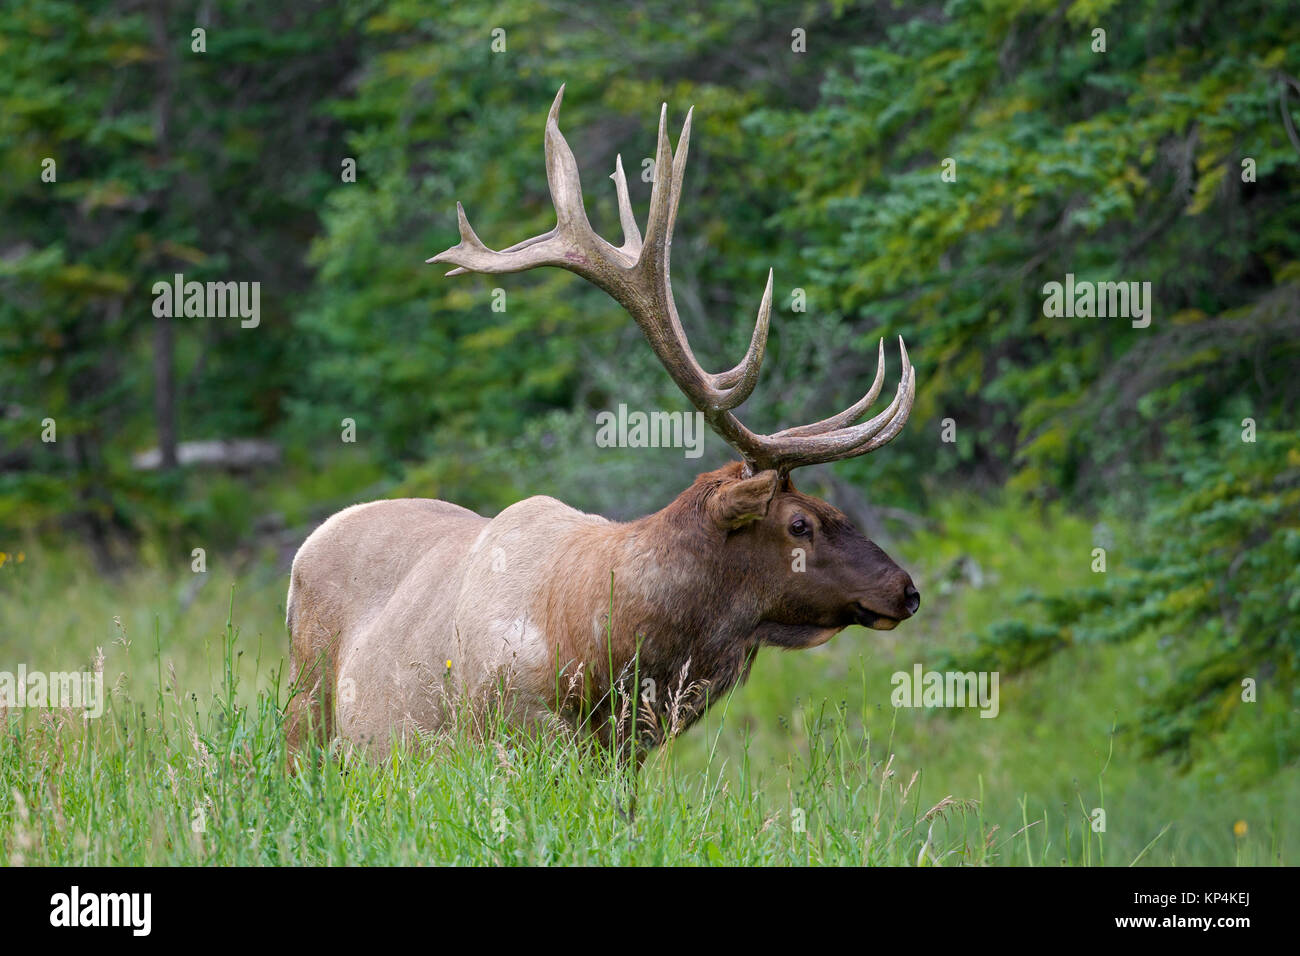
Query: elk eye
[[799, 528]]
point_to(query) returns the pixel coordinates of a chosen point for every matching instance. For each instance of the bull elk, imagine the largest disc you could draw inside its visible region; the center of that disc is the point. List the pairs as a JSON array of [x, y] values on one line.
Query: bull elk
[[399, 609]]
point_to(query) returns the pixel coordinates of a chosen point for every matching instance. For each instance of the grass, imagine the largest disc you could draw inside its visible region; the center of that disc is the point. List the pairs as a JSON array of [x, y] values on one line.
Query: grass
[[806, 764], [167, 781]]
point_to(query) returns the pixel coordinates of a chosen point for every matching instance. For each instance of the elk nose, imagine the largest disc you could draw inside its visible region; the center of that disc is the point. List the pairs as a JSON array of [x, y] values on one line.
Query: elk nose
[[911, 599]]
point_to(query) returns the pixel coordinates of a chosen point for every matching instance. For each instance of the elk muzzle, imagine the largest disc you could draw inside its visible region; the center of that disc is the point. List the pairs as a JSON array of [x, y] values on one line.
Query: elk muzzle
[[888, 602]]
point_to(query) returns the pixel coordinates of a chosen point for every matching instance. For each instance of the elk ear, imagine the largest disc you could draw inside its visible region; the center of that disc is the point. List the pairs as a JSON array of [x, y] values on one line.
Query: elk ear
[[737, 503]]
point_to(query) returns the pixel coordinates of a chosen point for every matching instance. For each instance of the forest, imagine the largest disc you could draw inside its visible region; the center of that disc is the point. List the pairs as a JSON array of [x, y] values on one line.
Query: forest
[[1082, 216]]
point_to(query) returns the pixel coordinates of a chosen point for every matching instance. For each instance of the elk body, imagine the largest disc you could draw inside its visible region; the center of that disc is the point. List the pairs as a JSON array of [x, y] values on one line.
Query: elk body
[[401, 610]]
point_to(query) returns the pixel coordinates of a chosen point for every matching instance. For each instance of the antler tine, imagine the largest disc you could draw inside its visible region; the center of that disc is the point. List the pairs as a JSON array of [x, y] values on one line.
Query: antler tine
[[563, 179], [784, 451], [740, 381], [471, 255], [899, 420], [658, 229], [854, 411], [631, 232], [679, 174]]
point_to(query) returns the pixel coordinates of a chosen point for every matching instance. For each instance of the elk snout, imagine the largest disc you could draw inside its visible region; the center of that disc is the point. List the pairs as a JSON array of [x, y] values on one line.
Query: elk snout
[[894, 603]]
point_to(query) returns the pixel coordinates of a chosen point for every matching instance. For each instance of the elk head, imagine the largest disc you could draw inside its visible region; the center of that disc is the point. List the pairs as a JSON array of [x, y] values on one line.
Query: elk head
[[810, 571], [807, 570]]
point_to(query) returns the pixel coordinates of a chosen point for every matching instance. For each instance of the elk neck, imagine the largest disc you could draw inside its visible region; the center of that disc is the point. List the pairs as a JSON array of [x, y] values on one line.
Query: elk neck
[[679, 612]]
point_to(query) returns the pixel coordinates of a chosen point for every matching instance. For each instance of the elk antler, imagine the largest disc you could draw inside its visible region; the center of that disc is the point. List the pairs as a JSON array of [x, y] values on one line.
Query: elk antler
[[635, 275]]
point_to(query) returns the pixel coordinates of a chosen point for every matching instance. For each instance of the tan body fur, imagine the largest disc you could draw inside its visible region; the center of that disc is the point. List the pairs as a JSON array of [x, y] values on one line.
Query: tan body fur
[[384, 594]]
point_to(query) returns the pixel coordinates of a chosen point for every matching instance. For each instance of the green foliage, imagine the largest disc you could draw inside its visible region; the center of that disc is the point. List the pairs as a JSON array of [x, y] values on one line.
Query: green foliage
[[1210, 597], [1122, 165], [165, 161]]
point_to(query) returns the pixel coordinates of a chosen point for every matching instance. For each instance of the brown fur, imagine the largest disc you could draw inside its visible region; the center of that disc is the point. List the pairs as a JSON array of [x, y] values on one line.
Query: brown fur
[[383, 595]]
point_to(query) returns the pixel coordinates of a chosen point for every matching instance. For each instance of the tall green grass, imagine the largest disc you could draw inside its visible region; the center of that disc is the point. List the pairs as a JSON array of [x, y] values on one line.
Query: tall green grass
[[169, 779], [806, 764]]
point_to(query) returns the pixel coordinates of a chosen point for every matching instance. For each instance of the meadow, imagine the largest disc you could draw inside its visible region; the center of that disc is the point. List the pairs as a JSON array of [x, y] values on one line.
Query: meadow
[[808, 763]]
